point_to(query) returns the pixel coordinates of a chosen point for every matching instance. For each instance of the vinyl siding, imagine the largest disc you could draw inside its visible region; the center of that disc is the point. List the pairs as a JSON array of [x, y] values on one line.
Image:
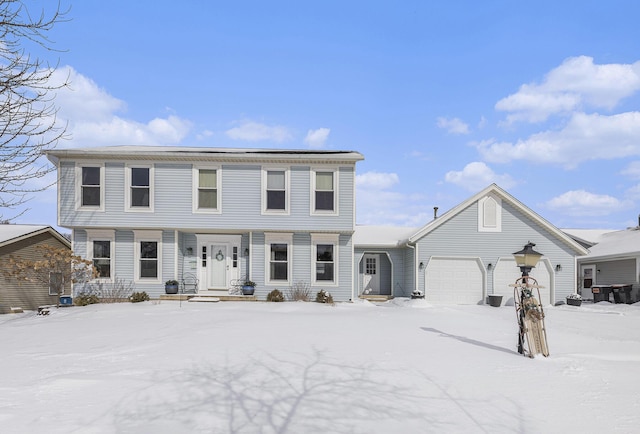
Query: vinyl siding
[[240, 197], [460, 237], [27, 295]]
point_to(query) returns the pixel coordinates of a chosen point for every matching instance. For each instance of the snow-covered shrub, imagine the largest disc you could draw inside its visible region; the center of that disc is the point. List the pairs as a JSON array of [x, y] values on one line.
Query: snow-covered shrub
[[137, 297], [324, 297], [300, 291], [275, 296]]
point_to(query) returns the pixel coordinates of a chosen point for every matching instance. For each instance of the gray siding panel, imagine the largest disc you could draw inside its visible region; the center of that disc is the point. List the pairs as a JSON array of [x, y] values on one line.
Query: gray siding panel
[[460, 237]]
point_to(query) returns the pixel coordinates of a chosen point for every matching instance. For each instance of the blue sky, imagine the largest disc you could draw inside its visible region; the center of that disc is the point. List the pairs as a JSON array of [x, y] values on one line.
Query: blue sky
[[442, 97]]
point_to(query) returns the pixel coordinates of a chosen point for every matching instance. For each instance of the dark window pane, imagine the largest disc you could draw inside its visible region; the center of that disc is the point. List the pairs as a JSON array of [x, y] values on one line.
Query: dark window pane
[[102, 249], [324, 271], [276, 200], [103, 266], [90, 196], [278, 252], [278, 271], [149, 249], [148, 268], [90, 176], [324, 252], [140, 176], [208, 199], [324, 200], [140, 197]]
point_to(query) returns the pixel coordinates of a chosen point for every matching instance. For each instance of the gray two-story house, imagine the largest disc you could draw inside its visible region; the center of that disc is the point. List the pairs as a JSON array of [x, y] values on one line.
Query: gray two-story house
[[150, 214]]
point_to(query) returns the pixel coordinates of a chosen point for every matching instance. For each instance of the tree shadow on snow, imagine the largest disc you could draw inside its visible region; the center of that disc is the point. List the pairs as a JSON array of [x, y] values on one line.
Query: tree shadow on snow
[[274, 394]]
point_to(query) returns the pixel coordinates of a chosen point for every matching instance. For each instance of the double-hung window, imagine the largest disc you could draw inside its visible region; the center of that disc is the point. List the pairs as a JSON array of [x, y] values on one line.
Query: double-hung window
[[148, 255], [324, 196], [206, 195], [279, 258], [100, 252], [324, 254], [275, 198], [90, 187], [139, 188]]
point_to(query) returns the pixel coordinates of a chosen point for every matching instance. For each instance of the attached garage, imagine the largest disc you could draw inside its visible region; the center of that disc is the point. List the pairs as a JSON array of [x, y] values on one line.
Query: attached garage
[[506, 272], [454, 280]]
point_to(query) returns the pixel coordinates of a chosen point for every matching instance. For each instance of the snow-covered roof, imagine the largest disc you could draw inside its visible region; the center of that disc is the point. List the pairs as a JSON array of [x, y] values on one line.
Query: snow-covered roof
[[13, 233], [591, 236], [616, 244], [381, 236]]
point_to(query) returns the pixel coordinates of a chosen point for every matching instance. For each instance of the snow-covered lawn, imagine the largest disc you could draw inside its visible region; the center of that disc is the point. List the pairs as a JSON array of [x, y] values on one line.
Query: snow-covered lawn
[[401, 367]]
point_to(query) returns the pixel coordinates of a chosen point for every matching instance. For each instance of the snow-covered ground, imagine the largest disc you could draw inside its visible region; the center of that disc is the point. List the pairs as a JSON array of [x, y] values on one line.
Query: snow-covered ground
[[401, 367]]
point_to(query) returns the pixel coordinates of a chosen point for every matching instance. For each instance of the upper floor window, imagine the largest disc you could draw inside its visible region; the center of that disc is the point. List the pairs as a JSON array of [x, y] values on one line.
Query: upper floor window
[[90, 186], [275, 191], [140, 188], [324, 200], [100, 252], [206, 195]]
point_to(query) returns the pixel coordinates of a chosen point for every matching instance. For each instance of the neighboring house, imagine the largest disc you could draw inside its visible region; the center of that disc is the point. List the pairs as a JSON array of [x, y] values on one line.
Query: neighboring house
[[466, 254], [217, 216], [20, 241], [613, 259]]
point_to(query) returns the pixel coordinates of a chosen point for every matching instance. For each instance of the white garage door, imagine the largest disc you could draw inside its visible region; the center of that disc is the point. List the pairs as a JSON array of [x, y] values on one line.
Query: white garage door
[[454, 281], [506, 272]]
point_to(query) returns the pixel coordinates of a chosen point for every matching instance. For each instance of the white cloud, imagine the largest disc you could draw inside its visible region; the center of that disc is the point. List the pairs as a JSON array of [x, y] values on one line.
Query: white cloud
[[376, 180], [254, 132], [453, 125], [584, 137], [632, 170], [92, 121], [575, 84], [478, 175], [316, 138], [584, 203]]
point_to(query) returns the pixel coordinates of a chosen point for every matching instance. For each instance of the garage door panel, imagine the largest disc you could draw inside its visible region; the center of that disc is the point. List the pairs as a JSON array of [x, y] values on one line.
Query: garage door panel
[[454, 281], [506, 272]]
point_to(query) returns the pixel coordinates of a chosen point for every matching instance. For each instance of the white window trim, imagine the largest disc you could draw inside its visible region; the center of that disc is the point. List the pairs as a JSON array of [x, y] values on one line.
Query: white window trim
[[78, 174], [287, 194], [481, 223], [325, 239], [196, 183], [102, 235], [145, 235], [127, 188], [277, 238], [335, 211]]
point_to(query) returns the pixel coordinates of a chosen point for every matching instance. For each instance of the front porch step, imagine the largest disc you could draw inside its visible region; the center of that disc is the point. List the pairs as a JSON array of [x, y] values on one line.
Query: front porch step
[[376, 298], [214, 296]]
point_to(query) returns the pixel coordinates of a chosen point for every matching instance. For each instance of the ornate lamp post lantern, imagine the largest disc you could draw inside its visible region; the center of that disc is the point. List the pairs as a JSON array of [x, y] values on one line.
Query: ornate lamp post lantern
[[528, 308], [527, 258]]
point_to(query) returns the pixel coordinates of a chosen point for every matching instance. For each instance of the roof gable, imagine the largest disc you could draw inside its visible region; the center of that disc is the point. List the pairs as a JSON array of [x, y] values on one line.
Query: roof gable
[[10, 234], [506, 197]]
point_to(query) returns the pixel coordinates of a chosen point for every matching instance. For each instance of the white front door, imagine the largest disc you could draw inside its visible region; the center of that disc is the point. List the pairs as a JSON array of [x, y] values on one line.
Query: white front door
[[218, 266], [371, 278], [219, 261]]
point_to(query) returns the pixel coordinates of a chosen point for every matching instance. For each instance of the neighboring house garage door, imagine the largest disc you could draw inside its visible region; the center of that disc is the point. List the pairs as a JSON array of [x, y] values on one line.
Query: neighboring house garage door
[[506, 272], [454, 281]]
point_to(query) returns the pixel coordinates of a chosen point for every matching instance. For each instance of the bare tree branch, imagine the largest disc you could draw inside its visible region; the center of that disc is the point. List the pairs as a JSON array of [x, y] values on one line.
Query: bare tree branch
[[28, 116]]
